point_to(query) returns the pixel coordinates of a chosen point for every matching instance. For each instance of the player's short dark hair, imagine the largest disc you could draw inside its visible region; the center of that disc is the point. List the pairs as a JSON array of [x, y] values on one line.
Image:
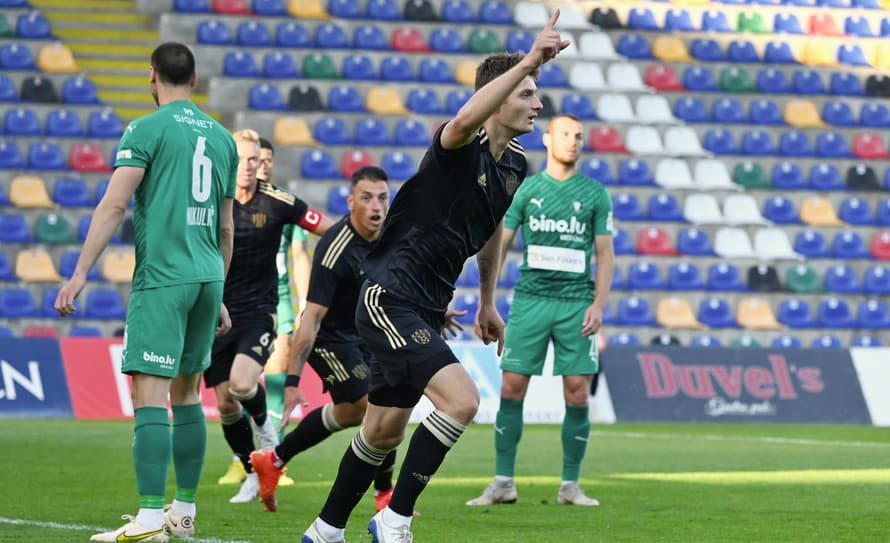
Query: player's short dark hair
[[368, 173], [266, 144], [497, 64], [174, 63]]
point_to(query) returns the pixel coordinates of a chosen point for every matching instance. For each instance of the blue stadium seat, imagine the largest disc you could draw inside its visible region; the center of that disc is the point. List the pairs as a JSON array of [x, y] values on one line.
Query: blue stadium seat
[[446, 40], [468, 303], [838, 113], [240, 64], [694, 242], [510, 276], [728, 111], [371, 131], [664, 207], [268, 8], [17, 303], [772, 81], [68, 263], [79, 90], [707, 50], [827, 341], [634, 46], [851, 55], [519, 41], [858, 26], [434, 70], [424, 101], [719, 142], [458, 11], [265, 97], [578, 105], [456, 100], [846, 84], [780, 210], [626, 207], [873, 114], [46, 156], [705, 341], [345, 98], [552, 75], [278, 65], [684, 276], [795, 313], [72, 192], [6, 332], [882, 216], [787, 23], [691, 110], [8, 92], [384, 10], [831, 145], [532, 141], [699, 78], [21, 121], [104, 303], [292, 34], [345, 9], [409, 132], [332, 131], [811, 244], [16, 56], [595, 168], [502, 303], [841, 279], [104, 124], [6, 268], [678, 20], [873, 314], [33, 26], [214, 32], [866, 341], [635, 311], [84, 331], [849, 245], [856, 211], [624, 338], [191, 6], [396, 68], [642, 19], [495, 12], [469, 276], [331, 36], [742, 51], [834, 313], [400, 166], [337, 203], [618, 282], [48, 302], [724, 277], [253, 34], [786, 342], [794, 143], [635, 172], [318, 164], [644, 275], [764, 111], [779, 53], [715, 21], [807, 82], [787, 175], [14, 229], [622, 244], [370, 37], [359, 67], [716, 313], [826, 177], [10, 155], [758, 143]]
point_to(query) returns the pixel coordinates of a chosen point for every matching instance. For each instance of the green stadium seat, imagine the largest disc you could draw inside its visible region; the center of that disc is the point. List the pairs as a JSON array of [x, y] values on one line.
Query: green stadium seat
[[752, 23], [484, 41], [53, 228], [734, 79], [319, 66], [5, 30], [803, 279], [750, 175]]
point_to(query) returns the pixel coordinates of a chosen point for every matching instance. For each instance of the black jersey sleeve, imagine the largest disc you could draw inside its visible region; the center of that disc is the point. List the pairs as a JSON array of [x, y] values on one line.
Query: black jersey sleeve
[[323, 281], [452, 160]]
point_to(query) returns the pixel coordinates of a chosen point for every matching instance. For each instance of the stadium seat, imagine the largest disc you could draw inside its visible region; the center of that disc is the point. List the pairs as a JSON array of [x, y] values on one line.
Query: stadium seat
[[691, 110], [278, 65], [337, 200], [578, 105], [879, 246], [733, 243], [735, 79], [684, 276], [678, 20], [670, 49], [265, 97], [510, 276], [848, 245], [231, 7], [624, 338], [869, 146], [834, 313], [15, 56], [384, 101], [319, 66], [637, 19], [715, 21], [644, 275], [345, 98], [5, 268], [841, 279], [655, 241], [396, 69], [702, 209], [371, 38], [384, 10], [742, 51], [292, 130], [876, 280], [622, 244], [35, 265], [807, 82], [818, 211], [38, 88], [240, 64], [213, 32], [780, 210], [826, 177], [554, 76], [309, 9], [411, 132], [699, 78], [21, 121], [772, 81], [72, 192], [84, 331], [17, 303], [773, 244], [866, 341], [827, 341], [851, 55], [787, 175], [855, 211], [53, 228], [331, 131], [599, 170], [623, 76], [845, 83], [676, 313], [353, 160], [371, 131], [192, 6], [802, 279], [434, 70], [670, 173], [728, 111], [87, 157], [104, 124], [716, 313], [712, 175], [882, 216], [787, 23], [779, 53], [456, 100], [795, 313], [634, 46], [874, 115], [331, 36], [56, 58], [519, 41], [345, 9], [831, 145], [400, 166], [468, 303], [811, 244], [704, 341], [8, 92], [14, 229], [758, 143], [495, 12], [720, 142], [104, 303], [626, 207], [764, 111], [268, 8], [29, 192], [596, 45], [756, 314], [664, 207], [662, 77], [78, 90], [292, 34], [458, 11], [643, 140], [694, 242], [802, 114], [862, 178], [635, 311], [741, 209], [10, 155], [318, 164], [606, 139], [46, 156], [423, 101], [786, 342]]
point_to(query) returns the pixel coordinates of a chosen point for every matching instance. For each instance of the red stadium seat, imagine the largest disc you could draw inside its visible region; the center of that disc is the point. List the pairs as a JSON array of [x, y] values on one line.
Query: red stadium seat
[[869, 145], [232, 7], [353, 160], [880, 245], [86, 157], [408, 39], [824, 25], [663, 78], [606, 139], [39, 331], [655, 241]]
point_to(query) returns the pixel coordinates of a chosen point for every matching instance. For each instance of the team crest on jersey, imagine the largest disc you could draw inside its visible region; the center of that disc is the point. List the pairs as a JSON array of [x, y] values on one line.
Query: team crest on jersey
[[511, 183], [483, 181], [577, 205], [421, 336], [259, 219]]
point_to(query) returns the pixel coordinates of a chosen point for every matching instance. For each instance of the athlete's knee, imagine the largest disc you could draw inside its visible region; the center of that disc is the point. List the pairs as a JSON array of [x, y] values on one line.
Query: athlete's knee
[[576, 391], [514, 386], [381, 436], [462, 406], [242, 391], [349, 414], [228, 406]]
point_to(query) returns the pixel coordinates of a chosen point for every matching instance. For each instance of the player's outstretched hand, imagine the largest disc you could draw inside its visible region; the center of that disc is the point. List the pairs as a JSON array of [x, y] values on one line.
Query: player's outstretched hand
[[293, 397], [593, 319], [225, 322], [490, 326], [67, 294], [451, 326], [548, 43]]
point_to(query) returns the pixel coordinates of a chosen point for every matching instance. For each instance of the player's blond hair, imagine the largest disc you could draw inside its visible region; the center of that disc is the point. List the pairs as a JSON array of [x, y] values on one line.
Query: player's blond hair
[[248, 135]]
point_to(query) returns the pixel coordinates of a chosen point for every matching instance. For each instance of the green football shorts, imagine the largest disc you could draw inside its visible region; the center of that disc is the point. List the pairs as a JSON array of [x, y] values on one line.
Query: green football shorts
[[533, 322], [170, 330]]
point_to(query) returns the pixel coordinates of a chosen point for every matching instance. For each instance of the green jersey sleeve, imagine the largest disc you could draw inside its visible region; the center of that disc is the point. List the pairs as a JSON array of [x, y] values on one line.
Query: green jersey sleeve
[[602, 215], [233, 171], [137, 146], [515, 215]]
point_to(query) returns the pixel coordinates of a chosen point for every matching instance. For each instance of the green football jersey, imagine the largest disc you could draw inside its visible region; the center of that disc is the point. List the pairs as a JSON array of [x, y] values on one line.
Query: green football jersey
[[558, 221], [190, 163], [289, 234]]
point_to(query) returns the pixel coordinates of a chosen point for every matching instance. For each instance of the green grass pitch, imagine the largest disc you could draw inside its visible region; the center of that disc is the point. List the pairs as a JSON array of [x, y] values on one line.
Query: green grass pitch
[[696, 483]]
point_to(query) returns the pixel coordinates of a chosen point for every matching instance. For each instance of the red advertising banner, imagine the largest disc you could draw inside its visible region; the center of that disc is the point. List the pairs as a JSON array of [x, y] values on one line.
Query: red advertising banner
[[100, 391]]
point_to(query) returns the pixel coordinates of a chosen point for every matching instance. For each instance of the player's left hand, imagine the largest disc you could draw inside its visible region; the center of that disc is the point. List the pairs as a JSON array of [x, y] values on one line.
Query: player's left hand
[[293, 397], [451, 326], [593, 319], [68, 293], [225, 322], [490, 326]]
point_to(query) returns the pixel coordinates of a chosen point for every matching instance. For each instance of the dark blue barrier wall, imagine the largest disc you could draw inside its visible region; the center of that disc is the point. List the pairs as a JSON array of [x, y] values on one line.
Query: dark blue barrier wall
[[32, 379]]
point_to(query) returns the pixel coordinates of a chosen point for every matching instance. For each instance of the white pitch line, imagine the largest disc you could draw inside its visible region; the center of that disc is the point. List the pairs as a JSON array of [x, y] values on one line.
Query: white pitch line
[[750, 439], [85, 528]]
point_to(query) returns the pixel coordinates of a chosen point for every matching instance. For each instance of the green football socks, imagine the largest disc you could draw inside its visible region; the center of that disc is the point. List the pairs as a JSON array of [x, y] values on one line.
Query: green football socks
[[151, 455], [189, 445], [507, 433], [575, 432]]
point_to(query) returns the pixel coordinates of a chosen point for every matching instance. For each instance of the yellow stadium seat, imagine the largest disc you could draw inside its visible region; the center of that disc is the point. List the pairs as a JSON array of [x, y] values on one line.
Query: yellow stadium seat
[[756, 314], [803, 114], [881, 56], [292, 130], [118, 266], [465, 72], [385, 101], [819, 52], [670, 49], [307, 9], [818, 211], [29, 191], [56, 58], [36, 266], [675, 312]]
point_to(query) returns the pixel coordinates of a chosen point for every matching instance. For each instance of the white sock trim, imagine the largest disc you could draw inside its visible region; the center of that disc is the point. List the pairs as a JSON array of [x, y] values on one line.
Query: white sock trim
[[328, 420]]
